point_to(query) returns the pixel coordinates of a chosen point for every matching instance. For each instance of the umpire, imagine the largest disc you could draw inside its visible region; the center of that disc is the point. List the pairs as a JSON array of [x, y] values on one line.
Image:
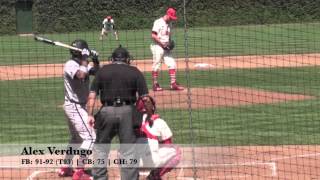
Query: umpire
[[117, 84]]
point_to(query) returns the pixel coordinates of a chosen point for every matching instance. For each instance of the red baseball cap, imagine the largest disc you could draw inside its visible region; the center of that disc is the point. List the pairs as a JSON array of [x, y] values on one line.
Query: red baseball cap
[[172, 13], [109, 17]]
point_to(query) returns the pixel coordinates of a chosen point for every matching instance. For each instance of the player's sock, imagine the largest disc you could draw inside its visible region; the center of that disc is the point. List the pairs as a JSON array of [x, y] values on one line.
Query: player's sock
[[155, 75], [173, 162], [172, 74]]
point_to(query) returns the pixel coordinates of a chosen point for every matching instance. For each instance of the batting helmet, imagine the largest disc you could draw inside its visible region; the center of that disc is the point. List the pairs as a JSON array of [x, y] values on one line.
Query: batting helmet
[[121, 54], [78, 43]]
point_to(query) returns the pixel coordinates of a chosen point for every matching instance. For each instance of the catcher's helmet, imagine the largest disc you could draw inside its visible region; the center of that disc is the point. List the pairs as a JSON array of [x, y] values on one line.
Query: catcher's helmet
[[78, 43], [153, 103], [121, 54], [144, 106]]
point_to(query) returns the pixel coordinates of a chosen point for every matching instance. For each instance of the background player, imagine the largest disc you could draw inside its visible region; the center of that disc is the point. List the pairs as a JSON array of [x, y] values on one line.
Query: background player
[[161, 35], [108, 26], [76, 90], [160, 153]]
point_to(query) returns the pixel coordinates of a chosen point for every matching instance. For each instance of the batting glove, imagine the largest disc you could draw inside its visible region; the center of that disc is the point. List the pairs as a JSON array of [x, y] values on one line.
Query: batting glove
[[95, 56], [94, 53], [85, 53]]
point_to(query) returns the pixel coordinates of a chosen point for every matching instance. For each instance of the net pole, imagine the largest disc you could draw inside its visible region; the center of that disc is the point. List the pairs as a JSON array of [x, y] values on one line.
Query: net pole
[[189, 100]]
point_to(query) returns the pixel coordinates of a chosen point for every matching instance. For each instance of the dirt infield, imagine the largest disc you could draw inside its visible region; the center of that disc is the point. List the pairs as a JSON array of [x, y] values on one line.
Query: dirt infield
[[228, 162], [56, 70], [219, 97]]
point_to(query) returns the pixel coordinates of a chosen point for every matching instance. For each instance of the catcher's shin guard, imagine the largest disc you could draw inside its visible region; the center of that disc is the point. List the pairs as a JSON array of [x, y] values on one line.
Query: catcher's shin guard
[[172, 163]]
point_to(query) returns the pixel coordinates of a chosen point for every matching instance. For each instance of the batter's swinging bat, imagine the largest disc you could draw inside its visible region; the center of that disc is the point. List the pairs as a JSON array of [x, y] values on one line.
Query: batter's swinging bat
[[56, 43]]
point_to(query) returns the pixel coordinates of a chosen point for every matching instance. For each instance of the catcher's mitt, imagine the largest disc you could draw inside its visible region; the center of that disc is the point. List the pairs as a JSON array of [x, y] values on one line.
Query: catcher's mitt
[[170, 45]]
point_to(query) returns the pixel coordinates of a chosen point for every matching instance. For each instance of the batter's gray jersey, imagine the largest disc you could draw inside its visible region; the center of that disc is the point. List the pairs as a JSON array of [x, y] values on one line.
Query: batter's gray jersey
[[75, 90]]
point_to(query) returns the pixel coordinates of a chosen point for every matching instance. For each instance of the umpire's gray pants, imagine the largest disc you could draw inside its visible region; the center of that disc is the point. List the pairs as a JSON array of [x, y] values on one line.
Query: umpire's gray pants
[[113, 121]]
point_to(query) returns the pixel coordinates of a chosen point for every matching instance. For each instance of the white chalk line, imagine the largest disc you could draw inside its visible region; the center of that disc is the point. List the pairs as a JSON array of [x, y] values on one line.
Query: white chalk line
[[181, 176], [36, 173], [295, 156], [271, 164]]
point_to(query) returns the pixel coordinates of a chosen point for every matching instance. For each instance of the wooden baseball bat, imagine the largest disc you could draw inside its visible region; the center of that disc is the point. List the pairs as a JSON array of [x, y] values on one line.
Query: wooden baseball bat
[[55, 43]]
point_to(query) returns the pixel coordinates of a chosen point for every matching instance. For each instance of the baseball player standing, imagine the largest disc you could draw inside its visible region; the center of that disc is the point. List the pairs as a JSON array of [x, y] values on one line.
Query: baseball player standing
[[108, 26], [161, 35], [76, 90], [118, 85], [160, 154]]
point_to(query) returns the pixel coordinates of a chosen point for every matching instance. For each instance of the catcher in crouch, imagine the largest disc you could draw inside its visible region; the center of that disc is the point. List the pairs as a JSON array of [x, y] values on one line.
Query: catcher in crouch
[[155, 142]]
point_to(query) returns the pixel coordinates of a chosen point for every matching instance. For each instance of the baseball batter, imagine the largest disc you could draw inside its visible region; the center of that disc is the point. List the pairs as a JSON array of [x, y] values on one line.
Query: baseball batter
[[108, 26], [159, 154], [76, 90], [161, 35]]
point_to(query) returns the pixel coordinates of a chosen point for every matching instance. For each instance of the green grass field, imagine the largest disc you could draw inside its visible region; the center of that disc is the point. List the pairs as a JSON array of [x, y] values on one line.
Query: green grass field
[[202, 41], [31, 110]]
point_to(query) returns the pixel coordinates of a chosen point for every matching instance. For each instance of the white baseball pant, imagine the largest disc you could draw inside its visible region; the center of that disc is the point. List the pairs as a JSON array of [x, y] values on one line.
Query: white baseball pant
[[152, 156], [160, 54], [106, 31], [81, 133]]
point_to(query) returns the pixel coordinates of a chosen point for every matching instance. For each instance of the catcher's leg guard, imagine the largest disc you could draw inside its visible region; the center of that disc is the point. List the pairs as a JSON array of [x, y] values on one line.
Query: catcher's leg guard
[[173, 162]]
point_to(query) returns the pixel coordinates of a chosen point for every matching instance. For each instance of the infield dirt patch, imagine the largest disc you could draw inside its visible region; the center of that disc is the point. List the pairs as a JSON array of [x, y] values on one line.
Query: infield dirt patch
[[266, 61], [219, 97]]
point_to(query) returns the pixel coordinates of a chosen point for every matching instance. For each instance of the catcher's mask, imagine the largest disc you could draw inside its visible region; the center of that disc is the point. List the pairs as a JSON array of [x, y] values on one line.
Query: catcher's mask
[[146, 106], [121, 55], [153, 102], [78, 43]]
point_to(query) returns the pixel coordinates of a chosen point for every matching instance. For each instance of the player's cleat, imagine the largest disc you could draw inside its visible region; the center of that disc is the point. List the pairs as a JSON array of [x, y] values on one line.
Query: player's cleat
[[80, 174], [156, 87], [176, 87], [65, 172], [154, 175]]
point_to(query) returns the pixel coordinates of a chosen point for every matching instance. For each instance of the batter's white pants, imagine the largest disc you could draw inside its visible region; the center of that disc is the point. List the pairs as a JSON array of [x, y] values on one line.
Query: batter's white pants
[[160, 54], [77, 118]]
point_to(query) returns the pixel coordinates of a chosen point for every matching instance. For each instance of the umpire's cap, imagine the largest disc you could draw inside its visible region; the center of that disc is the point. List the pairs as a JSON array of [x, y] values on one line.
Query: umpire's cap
[[121, 54]]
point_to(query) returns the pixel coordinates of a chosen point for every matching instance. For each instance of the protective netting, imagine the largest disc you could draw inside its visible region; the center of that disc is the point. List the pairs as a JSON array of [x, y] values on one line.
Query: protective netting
[[249, 72]]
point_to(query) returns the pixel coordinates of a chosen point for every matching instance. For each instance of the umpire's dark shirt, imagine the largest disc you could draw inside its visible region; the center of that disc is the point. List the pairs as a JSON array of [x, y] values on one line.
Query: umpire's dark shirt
[[119, 80]]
